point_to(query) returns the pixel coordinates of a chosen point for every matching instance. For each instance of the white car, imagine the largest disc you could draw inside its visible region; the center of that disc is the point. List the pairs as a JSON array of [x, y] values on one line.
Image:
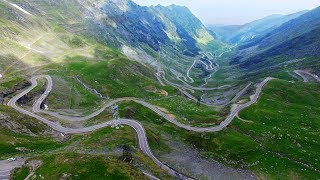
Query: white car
[[12, 159]]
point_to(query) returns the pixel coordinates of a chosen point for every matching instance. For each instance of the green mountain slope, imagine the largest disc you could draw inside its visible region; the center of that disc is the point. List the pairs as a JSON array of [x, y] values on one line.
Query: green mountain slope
[[244, 33], [52, 39], [294, 41]]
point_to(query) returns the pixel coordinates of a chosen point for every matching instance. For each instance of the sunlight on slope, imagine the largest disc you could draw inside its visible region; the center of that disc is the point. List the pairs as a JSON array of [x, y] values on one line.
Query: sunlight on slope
[[203, 37]]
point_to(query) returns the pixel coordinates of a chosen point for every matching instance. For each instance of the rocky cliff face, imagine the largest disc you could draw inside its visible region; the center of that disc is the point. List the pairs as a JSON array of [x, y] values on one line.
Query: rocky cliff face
[[124, 22]]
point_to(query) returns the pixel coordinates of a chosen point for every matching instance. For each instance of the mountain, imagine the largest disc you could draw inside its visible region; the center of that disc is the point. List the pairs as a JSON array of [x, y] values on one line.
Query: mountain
[[146, 34], [187, 25], [100, 56], [157, 27], [298, 38], [43, 36], [243, 33]]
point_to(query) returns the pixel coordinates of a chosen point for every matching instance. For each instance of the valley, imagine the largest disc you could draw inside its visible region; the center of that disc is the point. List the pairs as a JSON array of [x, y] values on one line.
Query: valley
[[141, 92]]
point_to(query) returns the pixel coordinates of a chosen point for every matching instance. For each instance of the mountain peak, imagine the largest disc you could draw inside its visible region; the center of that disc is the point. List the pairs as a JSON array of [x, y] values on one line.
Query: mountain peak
[[123, 5]]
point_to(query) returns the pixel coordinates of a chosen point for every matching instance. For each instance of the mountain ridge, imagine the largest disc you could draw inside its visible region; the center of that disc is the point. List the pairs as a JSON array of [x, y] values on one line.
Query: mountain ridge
[[297, 38], [246, 32]]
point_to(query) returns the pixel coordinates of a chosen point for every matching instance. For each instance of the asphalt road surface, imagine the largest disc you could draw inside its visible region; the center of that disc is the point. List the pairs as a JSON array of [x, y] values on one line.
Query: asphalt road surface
[[225, 123], [6, 167], [306, 74], [143, 142]]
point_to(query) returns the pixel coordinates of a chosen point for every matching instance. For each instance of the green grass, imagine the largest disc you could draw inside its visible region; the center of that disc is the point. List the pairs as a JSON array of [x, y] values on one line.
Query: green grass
[[105, 140], [115, 78], [269, 152], [19, 141], [21, 173], [103, 53], [136, 111], [284, 76], [110, 140], [13, 144], [189, 111], [106, 115], [250, 145], [74, 41], [23, 121], [286, 120], [9, 83], [70, 94], [80, 166]]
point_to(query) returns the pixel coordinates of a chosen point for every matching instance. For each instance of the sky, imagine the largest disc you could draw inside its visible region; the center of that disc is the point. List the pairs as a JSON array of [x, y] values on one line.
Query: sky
[[236, 11]]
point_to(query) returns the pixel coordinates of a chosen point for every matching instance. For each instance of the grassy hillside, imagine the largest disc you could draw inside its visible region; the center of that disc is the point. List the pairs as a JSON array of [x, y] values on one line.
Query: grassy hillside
[[271, 141], [295, 39], [24, 136], [77, 166], [275, 138], [21, 135], [286, 120], [49, 42]]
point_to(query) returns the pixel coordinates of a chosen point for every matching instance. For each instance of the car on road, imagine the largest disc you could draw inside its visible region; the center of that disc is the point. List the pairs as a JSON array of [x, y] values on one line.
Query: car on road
[[12, 159]]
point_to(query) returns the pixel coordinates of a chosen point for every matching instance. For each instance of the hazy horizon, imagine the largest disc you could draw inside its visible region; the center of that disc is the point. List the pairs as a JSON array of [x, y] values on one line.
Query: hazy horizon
[[230, 12]]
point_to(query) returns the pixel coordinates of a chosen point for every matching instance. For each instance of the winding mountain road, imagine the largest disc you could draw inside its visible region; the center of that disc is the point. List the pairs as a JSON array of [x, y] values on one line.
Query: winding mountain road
[[161, 75], [233, 100], [305, 79], [303, 74], [226, 122], [143, 142], [6, 167], [189, 87], [208, 68], [37, 104]]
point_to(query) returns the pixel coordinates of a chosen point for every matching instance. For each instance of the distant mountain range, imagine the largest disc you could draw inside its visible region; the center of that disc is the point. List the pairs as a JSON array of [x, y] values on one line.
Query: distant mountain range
[[243, 33], [297, 38], [169, 36]]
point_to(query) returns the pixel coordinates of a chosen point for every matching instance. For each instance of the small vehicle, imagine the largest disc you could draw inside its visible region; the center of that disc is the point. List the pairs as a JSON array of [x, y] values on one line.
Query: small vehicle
[[12, 159]]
